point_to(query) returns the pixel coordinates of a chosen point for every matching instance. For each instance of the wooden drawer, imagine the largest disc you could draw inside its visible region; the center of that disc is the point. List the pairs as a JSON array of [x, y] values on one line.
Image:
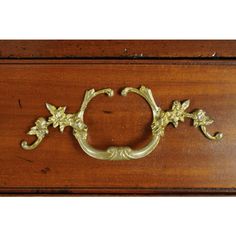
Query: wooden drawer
[[59, 73]]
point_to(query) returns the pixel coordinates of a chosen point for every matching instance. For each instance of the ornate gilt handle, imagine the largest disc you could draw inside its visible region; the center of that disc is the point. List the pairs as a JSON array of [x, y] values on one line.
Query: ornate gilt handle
[[80, 130]]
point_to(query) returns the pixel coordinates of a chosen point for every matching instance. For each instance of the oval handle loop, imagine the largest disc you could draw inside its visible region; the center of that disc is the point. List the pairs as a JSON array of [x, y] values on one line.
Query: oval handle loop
[[114, 152]]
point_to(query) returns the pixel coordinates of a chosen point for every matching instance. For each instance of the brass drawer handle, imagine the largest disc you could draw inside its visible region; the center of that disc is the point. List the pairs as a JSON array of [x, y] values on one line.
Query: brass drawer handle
[[80, 130]]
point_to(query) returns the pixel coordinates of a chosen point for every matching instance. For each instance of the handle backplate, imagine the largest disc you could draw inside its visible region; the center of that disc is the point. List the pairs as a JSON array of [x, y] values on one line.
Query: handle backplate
[[161, 119]]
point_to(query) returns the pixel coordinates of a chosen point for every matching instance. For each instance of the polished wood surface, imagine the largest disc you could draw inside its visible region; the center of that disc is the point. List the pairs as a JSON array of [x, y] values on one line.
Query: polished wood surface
[[184, 161]]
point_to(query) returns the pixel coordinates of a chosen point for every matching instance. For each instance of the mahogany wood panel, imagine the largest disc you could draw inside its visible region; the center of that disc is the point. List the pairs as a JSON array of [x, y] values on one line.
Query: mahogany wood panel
[[184, 161], [117, 49]]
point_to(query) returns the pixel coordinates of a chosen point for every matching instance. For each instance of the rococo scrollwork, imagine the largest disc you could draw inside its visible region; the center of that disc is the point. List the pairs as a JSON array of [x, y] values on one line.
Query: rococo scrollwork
[[161, 119]]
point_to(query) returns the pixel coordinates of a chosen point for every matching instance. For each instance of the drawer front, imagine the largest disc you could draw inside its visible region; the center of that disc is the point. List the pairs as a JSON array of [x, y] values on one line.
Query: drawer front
[[184, 160]]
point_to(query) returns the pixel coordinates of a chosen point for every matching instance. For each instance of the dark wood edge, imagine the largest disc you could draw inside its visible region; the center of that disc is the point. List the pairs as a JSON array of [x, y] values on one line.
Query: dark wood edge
[[128, 49], [122, 191], [114, 62]]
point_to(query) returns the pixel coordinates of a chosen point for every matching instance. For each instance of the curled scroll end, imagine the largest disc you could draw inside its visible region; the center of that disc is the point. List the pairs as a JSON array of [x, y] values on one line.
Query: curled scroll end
[[92, 93], [26, 146], [216, 136], [109, 92], [139, 91], [125, 91]]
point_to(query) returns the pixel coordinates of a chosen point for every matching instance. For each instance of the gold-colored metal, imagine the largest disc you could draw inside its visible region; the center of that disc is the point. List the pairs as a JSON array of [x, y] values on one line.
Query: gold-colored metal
[[161, 119]]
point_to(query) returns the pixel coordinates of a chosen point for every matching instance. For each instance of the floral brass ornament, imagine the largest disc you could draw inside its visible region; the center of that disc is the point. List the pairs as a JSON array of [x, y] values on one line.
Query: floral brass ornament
[[161, 119]]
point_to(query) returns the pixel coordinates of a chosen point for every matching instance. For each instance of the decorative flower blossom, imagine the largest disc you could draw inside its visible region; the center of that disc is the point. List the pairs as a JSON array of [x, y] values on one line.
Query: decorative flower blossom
[[201, 119], [177, 112], [40, 129], [58, 118]]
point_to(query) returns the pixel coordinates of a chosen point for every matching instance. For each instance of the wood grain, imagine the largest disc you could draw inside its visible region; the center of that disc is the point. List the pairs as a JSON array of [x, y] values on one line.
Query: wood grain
[[117, 49], [184, 162]]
